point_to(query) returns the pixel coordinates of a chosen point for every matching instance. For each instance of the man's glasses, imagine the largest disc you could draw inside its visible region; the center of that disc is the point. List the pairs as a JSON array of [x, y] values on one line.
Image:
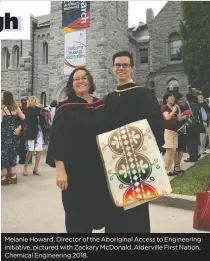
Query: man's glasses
[[123, 65]]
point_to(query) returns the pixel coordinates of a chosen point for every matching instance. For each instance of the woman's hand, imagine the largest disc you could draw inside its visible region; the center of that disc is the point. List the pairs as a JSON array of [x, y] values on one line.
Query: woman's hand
[[61, 176], [17, 130], [174, 108]]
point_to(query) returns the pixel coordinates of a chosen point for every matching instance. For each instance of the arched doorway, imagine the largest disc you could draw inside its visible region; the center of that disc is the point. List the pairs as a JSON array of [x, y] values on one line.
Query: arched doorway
[[59, 93]]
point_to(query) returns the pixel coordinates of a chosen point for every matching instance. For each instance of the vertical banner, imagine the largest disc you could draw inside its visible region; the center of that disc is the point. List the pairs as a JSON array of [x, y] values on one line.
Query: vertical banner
[[74, 51], [75, 15]]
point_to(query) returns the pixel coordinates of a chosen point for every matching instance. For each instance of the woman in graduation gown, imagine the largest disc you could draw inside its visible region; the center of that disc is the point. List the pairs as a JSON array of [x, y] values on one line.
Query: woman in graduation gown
[[73, 151]]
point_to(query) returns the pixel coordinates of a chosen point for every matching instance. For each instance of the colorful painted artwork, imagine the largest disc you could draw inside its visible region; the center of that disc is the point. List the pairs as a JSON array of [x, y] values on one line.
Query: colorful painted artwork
[[134, 166]]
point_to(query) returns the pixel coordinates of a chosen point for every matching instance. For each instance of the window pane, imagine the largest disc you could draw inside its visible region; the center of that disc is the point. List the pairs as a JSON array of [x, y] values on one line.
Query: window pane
[[7, 60], [144, 55], [176, 43], [174, 50]]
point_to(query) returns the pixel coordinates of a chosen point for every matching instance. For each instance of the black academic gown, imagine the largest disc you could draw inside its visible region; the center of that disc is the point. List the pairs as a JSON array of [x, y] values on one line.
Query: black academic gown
[[73, 140], [129, 105]]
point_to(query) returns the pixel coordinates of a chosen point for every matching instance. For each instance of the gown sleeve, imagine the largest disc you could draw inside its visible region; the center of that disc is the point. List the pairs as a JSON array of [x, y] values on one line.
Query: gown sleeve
[[59, 136], [152, 112]]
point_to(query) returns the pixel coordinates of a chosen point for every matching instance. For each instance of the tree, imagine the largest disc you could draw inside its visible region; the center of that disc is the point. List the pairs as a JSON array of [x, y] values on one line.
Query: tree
[[195, 50]]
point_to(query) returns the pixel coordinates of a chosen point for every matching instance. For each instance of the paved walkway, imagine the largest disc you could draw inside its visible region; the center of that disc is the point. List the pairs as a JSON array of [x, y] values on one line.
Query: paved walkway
[[34, 205]]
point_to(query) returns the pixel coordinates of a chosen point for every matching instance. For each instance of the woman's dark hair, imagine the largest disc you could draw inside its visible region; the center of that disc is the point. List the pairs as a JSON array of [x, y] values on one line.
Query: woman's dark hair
[[69, 87], [8, 101], [165, 97], [54, 103]]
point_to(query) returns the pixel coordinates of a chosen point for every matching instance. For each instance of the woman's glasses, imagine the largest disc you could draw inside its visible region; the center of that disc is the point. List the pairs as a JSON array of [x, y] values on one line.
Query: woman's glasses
[[84, 78]]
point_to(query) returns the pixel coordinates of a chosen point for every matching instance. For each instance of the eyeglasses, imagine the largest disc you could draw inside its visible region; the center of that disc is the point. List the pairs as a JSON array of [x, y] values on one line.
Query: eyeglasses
[[82, 78], [124, 65]]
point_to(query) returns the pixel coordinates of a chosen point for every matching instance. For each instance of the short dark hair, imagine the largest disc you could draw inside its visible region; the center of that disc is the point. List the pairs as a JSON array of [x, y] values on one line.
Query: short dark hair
[[191, 98], [54, 103], [177, 96], [166, 95], [69, 87], [123, 53]]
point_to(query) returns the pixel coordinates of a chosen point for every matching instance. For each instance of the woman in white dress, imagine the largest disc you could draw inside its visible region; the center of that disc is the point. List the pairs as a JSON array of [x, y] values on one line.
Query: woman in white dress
[[33, 134]]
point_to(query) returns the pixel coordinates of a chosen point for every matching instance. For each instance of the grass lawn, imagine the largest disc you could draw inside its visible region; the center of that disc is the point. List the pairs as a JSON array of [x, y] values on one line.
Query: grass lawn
[[193, 180]]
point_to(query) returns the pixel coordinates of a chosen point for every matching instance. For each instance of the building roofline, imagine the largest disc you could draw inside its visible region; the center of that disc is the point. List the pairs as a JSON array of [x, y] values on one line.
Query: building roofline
[[159, 12]]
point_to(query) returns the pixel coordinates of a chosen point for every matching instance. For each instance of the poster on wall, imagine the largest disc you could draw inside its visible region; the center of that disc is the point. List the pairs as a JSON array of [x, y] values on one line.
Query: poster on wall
[[75, 51], [75, 15]]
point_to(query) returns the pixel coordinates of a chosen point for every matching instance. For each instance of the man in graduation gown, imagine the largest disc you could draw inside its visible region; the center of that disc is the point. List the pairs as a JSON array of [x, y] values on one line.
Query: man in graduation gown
[[127, 104]]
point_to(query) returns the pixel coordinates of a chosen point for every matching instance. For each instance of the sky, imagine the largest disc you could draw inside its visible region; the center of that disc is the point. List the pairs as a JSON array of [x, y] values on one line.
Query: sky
[[137, 9]]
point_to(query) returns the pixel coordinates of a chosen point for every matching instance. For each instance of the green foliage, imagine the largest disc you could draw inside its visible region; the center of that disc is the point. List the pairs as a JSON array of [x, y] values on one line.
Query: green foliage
[[195, 50]]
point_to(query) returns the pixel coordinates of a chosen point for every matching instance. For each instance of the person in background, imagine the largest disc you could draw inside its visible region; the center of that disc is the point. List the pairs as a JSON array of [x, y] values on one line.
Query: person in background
[[160, 101], [53, 106], [22, 148], [193, 133], [33, 134], [10, 130], [179, 100], [172, 116], [205, 117]]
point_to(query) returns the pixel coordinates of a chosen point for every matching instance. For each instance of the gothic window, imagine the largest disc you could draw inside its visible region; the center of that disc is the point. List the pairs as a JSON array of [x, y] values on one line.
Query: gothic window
[[5, 59], [45, 53], [15, 56], [174, 46], [143, 55], [43, 99], [173, 84]]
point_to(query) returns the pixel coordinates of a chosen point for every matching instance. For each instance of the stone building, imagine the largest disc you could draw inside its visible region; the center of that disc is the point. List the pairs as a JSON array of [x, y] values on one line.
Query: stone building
[[156, 45], [36, 66]]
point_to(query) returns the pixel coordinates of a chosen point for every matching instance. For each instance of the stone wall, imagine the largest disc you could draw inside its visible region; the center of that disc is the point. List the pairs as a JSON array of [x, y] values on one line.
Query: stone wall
[[165, 23], [18, 80], [107, 34], [115, 19], [41, 70], [161, 82], [10, 78]]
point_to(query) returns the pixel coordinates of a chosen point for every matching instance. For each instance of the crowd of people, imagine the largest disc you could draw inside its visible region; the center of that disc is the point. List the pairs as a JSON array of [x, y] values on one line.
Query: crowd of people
[[186, 120], [23, 128], [178, 123]]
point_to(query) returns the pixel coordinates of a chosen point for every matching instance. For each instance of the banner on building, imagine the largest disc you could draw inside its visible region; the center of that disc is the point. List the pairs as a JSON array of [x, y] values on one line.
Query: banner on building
[[75, 51], [75, 15]]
